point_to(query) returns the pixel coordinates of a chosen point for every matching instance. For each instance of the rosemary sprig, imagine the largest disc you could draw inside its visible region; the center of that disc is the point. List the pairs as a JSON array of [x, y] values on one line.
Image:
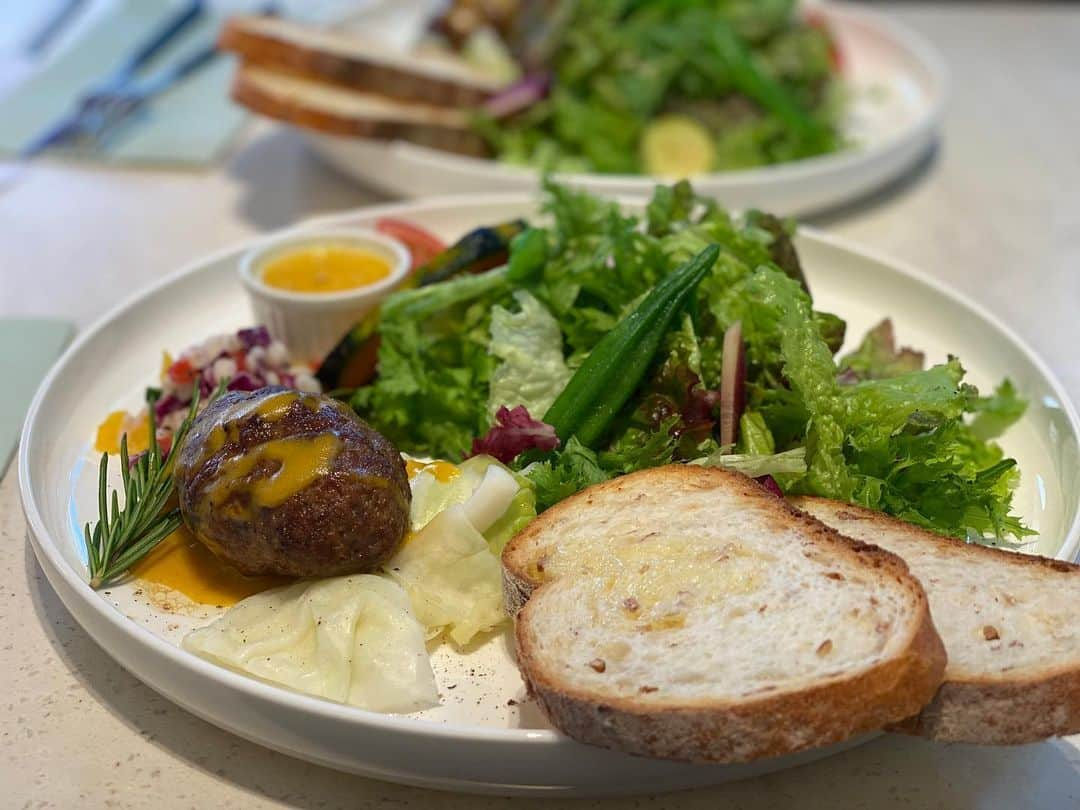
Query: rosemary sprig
[[125, 534]]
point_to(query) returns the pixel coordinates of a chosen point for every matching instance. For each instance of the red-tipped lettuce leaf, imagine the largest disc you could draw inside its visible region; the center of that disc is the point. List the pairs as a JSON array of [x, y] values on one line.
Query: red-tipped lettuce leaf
[[514, 432]]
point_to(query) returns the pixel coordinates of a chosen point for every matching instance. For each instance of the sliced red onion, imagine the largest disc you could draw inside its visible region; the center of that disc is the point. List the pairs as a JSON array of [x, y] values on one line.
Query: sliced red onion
[[732, 384], [255, 336], [519, 96]]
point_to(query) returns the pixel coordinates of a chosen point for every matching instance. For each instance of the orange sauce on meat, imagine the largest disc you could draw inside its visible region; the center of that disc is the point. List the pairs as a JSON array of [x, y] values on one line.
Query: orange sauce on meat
[[182, 563], [300, 460], [331, 267]]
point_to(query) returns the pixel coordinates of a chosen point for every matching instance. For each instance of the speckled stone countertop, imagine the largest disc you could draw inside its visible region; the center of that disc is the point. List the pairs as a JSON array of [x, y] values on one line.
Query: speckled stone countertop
[[995, 211]]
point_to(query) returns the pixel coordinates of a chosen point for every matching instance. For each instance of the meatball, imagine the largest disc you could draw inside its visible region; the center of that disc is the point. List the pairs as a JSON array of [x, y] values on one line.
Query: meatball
[[280, 482]]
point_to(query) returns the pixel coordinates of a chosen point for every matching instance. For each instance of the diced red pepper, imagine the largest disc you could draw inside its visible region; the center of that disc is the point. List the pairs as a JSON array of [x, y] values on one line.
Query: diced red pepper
[[422, 243], [181, 372]]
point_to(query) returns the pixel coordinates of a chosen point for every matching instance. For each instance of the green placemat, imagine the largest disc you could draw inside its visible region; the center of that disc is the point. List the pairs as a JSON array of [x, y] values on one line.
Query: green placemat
[[188, 124], [28, 347]]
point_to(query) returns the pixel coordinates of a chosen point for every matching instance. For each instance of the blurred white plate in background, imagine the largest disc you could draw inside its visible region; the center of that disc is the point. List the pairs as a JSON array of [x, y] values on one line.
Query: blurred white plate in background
[[898, 84]]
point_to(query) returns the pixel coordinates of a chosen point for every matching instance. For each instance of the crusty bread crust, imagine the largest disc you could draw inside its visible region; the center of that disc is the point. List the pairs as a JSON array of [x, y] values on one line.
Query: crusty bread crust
[[436, 133], [289, 55], [727, 730], [999, 708]]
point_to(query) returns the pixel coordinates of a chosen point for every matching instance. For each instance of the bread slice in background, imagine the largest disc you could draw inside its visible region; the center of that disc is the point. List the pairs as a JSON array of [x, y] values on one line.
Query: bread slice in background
[[350, 61], [1010, 623], [334, 111], [687, 613]]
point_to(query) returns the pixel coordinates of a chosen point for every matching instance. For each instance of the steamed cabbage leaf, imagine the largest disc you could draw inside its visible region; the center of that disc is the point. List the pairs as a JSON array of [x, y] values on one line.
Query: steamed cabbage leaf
[[518, 507], [348, 639], [453, 580], [447, 565]]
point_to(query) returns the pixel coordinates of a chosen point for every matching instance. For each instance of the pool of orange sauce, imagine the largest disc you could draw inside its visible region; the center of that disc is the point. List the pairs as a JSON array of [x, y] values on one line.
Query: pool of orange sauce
[[109, 433], [182, 563]]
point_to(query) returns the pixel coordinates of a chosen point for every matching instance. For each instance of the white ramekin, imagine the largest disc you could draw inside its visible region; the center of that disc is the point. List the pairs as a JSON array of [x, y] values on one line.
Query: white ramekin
[[311, 324]]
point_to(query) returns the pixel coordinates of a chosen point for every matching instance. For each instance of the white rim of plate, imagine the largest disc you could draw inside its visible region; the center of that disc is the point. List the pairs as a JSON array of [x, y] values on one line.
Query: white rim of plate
[[316, 706], [877, 22]]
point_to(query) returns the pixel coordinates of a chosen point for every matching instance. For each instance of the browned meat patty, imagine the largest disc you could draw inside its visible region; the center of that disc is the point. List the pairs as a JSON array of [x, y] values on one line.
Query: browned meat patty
[[279, 482]]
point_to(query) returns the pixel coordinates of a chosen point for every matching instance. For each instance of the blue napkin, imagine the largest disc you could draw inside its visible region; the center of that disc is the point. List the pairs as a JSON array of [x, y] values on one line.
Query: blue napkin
[[189, 124], [28, 347]]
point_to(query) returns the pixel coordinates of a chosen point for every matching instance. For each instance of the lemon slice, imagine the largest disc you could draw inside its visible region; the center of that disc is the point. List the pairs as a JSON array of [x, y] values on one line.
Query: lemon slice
[[677, 146]]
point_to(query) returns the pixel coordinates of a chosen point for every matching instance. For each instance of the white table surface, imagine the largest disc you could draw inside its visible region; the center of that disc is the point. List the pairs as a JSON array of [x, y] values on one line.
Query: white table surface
[[995, 211]]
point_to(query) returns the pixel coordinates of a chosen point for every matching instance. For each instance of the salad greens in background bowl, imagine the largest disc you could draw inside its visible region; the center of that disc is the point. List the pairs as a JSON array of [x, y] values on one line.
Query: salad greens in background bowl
[[672, 89], [786, 107]]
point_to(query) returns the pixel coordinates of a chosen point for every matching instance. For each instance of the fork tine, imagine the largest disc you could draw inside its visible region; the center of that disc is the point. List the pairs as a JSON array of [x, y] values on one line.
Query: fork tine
[[111, 111]]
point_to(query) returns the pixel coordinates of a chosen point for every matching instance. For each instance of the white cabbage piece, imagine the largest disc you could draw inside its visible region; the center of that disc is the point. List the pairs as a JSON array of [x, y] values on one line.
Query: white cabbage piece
[[492, 498], [431, 496], [529, 343], [451, 576], [447, 567], [350, 639]]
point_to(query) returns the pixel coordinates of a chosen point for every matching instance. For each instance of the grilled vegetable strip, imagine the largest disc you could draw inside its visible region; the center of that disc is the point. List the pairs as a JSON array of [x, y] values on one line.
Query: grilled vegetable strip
[[353, 361], [477, 251], [618, 363]]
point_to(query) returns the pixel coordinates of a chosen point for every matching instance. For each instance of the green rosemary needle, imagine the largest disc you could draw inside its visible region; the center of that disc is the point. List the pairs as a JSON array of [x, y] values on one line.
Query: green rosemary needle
[[125, 534]]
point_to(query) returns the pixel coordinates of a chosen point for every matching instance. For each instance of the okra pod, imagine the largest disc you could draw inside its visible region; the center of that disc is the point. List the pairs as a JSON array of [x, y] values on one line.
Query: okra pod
[[618, 363]]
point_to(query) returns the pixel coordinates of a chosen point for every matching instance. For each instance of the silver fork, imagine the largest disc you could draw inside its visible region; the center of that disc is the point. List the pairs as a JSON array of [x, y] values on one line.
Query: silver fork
[[98, 109], [103, 111]]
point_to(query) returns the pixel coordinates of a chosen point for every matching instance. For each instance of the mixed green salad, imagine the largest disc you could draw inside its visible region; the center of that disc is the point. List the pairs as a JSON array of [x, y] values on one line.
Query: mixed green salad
[[673, 88], [609, 343]]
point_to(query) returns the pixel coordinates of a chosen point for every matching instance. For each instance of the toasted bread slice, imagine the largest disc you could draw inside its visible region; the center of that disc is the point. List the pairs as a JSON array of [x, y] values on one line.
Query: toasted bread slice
[[687, 613], [354, 63], [330, 109], [1009, 624]]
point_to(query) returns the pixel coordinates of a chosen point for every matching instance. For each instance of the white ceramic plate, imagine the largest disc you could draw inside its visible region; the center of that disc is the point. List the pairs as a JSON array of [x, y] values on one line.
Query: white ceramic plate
[[898, 83], [484, 736]]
